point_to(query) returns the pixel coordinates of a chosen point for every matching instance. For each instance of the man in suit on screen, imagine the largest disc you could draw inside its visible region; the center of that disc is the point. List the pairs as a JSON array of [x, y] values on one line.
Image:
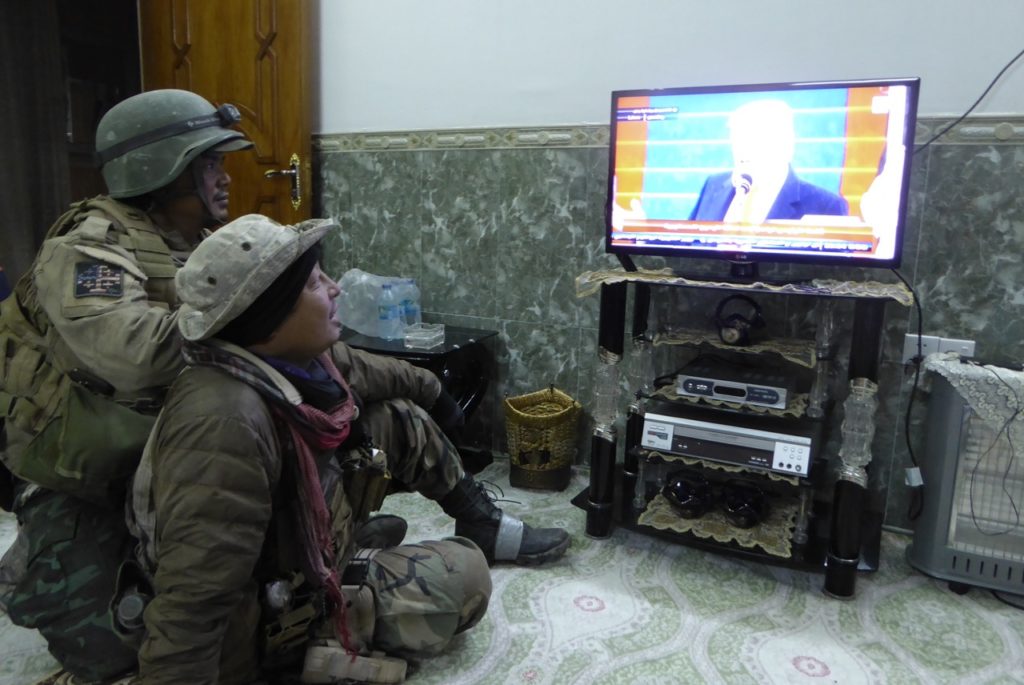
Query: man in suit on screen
[[762, 185]]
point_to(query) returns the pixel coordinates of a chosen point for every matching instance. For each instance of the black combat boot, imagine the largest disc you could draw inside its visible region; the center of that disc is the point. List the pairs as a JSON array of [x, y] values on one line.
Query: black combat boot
[[381, 532], [500, 536]]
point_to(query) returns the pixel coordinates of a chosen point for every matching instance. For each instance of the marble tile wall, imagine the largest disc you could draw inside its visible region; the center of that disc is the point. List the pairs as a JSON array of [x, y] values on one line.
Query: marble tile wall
[[496, 224]]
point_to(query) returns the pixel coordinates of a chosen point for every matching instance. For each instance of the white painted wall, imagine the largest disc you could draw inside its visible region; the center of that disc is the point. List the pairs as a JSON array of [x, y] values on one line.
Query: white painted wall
[[413, 64]]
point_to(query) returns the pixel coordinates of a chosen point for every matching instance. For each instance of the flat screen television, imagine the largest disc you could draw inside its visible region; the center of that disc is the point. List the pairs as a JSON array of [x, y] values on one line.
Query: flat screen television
[[814, 172]]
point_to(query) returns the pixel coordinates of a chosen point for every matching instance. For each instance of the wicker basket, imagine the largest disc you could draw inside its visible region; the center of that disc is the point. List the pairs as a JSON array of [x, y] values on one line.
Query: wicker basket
[[541, 428]]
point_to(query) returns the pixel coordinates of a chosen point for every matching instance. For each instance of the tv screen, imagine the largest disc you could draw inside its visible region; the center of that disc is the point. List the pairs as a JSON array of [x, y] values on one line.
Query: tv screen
[[782, 172]]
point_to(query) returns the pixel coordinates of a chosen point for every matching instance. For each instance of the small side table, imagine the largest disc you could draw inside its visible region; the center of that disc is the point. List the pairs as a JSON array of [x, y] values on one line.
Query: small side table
[[461, 362]]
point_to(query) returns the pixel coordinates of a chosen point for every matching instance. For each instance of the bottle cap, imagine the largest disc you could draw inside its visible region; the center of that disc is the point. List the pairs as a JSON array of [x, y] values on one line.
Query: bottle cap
[[130, 608]]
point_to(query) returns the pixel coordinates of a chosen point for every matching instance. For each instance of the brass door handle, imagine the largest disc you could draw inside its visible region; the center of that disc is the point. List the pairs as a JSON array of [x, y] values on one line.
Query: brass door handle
[[293, 173]]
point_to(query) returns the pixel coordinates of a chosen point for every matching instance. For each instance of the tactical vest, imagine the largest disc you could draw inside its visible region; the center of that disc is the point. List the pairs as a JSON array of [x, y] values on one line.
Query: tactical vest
[[34, 390]]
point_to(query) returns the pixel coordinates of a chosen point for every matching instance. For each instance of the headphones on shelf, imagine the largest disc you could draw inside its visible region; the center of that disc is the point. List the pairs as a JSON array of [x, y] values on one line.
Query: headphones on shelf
[[742, 503], [734, 327]]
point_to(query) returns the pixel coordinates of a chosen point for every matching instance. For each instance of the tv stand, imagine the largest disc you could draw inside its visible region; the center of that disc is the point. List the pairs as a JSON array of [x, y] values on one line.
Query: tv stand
[[830, 530]]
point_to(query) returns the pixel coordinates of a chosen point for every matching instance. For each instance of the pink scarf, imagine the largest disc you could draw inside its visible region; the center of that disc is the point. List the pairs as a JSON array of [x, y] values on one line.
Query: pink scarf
[[314, 431]]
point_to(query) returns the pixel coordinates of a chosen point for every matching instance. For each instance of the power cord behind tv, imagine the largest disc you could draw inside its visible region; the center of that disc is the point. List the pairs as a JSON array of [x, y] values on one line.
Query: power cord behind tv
[[916, 504]]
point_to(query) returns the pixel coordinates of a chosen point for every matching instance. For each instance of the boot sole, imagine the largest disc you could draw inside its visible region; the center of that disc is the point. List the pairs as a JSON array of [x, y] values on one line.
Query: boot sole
[[538, 558]]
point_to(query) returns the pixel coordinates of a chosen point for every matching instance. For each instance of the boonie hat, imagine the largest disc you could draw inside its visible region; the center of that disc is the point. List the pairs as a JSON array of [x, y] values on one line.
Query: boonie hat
[[234, 265]]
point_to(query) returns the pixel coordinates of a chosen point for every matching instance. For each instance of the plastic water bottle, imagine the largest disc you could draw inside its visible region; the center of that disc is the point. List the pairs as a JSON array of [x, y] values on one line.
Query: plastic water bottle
[[401, 289], [412, 314], [389, 315]]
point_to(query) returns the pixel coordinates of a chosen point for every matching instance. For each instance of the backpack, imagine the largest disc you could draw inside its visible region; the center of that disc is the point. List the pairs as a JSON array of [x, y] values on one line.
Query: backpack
[[83, 442]]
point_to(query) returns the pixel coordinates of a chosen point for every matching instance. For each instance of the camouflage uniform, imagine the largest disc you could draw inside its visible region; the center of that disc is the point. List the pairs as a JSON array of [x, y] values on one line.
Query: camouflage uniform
[[216, 515], [74, 550], [256, 476], [88, 344], [104, 294]]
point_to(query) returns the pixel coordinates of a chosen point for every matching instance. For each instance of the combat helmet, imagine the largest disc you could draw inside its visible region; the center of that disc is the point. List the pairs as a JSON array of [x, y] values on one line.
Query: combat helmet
[[144, 142]]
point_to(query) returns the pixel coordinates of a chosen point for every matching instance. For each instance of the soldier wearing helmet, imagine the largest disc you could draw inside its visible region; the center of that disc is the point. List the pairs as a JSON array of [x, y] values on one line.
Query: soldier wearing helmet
[[146, 143], [90, 344]]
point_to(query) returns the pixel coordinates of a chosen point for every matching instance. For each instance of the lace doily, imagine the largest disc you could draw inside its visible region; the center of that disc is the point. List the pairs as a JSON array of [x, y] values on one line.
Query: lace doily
[[892, 291], [994, 393], [797, 351], [719, 466], [589, 282], [771, 535]]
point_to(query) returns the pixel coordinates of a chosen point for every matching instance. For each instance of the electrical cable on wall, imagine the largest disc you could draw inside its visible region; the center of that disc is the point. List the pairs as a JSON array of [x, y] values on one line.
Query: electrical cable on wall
[[971, 108], [916, 505], [917, 492]]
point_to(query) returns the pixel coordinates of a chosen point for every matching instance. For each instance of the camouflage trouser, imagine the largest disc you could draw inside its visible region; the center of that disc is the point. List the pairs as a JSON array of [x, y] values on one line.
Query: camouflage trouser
[[74, 550], [420, 455], [427, 593]]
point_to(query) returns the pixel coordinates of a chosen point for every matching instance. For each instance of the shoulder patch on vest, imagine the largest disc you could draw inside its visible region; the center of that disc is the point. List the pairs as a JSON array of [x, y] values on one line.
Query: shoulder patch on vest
[[98, 279]]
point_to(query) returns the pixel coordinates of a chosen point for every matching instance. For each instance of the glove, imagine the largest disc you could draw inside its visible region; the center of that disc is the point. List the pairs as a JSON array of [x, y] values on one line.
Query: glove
[[447, 413]]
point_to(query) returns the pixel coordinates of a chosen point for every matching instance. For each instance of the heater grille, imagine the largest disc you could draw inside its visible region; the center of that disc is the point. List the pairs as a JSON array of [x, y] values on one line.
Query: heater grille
[[989, 494], [971, 530]]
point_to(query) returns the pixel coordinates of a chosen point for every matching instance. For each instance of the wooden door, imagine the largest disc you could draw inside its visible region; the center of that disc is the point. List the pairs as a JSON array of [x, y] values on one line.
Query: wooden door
[[256, 55]]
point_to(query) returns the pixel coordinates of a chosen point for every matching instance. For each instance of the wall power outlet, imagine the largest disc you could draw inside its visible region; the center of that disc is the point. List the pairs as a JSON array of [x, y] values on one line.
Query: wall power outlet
[[933, 343], [929, 344], [965, 348]]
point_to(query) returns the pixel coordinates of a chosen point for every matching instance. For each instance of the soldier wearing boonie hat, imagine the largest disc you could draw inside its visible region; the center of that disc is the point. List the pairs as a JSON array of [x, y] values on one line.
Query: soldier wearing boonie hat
[[91, 344], [274, 444], [235, 268]]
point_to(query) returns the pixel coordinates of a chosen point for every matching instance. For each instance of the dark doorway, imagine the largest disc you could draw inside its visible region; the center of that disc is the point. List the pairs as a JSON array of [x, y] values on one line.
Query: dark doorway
[[64, 64], [100, 50]]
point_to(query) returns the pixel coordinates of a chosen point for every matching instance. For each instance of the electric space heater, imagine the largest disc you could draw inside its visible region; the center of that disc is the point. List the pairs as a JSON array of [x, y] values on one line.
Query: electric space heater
[[970, 531]]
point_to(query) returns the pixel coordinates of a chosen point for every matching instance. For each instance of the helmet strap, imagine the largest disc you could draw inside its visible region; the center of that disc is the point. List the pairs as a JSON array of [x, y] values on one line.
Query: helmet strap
[[186, 185]]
